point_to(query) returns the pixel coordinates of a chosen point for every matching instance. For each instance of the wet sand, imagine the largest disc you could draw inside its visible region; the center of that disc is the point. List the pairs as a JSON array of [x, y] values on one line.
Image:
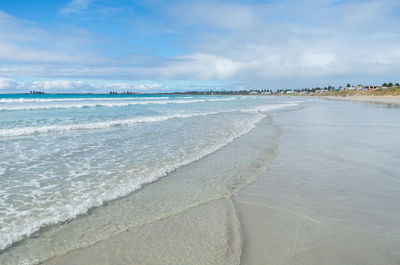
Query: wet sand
[[331, 195], [373, 99]]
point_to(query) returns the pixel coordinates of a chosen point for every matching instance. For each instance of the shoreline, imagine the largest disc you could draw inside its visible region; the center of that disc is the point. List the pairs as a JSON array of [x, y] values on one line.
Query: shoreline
[[320, 201], [222, 173], [172, 239]]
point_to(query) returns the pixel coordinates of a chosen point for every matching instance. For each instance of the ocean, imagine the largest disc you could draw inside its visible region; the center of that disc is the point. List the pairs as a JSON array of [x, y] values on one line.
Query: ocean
[[71, 164]]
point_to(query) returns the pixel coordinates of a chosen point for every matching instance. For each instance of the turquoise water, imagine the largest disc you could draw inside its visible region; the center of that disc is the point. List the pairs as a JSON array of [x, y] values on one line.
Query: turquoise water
[[61, 156]]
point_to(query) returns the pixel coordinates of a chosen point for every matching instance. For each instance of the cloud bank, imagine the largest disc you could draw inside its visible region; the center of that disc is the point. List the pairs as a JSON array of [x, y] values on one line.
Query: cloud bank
[[75, 7], [70, 86]]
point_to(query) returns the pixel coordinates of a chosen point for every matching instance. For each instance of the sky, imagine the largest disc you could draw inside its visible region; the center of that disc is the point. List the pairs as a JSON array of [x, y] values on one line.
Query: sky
[[174, 45]]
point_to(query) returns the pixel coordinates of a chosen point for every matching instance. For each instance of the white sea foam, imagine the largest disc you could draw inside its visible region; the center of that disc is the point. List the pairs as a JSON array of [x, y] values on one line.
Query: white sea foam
[[94, 125], [221, 99], [104, 103], [93, 104], [59, 103], [15, 132], [295, 101], [269, 107]]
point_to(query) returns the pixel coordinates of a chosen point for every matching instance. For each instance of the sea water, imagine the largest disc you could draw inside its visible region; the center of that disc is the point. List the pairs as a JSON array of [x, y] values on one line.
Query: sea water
[[63, 156]]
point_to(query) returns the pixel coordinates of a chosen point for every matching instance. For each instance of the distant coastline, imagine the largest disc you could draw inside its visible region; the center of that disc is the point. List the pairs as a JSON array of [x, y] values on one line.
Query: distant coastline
[[184, 93], [348, 90], [359, 93], [320, 92]]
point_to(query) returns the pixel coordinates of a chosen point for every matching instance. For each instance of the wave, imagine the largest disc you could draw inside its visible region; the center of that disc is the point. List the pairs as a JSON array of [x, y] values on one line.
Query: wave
[[221, 99], [265, 108], [95, 104], [23, 131], [14, 132], [24, 107]]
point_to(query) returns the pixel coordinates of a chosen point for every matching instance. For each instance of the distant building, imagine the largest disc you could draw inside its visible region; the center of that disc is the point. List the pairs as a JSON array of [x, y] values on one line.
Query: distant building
[[365, 88], [348, 88]]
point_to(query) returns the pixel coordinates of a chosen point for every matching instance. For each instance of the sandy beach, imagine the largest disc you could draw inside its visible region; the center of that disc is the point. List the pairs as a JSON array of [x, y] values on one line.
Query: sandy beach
[[395, 100], [322, 200]]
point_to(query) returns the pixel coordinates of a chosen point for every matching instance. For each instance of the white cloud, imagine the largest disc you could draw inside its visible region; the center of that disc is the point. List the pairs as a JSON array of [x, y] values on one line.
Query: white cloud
[[60, 85], [222, 15], [130, 87], [200, 66], [71, 86], [23, 42], [75, 7], [318, 60], [8, 84]]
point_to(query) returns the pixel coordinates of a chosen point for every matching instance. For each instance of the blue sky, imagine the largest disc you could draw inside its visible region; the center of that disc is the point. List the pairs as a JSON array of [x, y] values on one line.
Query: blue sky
[[102, 45]]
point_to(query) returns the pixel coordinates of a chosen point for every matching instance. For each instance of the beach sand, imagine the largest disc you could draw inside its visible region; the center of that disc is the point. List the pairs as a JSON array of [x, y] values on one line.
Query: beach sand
[[331, 194], [372, 99]]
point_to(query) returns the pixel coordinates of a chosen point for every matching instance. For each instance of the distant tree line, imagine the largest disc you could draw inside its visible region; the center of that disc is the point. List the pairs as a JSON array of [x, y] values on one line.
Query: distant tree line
[[308, 90], [223, 92], [123, 93], [390, 84]]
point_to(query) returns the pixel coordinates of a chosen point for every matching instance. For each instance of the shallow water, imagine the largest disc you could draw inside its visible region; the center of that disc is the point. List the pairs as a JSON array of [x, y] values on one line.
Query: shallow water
[[60, 158], [205, 234]]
